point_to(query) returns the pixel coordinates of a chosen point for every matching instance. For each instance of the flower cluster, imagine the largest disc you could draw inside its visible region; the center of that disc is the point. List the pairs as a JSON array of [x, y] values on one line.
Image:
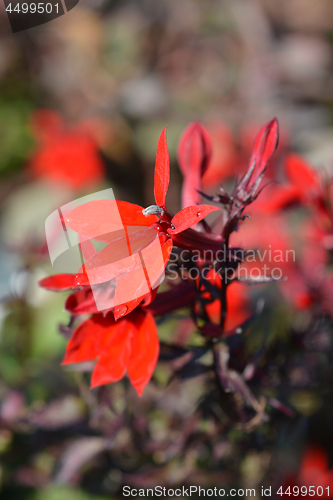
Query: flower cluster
[[128, 271]]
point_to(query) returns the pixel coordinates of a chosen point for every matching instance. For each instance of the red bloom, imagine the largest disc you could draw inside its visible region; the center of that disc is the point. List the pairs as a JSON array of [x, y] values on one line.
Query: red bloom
[[139, 240], [64, 155]]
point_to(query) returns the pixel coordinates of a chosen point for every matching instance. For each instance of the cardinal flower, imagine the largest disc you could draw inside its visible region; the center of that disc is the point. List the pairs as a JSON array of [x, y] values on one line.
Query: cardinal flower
[[139, 240]]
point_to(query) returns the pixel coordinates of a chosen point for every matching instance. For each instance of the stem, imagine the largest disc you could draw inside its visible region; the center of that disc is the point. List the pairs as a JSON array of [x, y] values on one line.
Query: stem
[[223, 295]]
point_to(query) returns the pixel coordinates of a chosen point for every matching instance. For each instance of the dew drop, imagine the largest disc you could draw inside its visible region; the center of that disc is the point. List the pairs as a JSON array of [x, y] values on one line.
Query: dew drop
[[121, 311], [172, 226], [198, 214]]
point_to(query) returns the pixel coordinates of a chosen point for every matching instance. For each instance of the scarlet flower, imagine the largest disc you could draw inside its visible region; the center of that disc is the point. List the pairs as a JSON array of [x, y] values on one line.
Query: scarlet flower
[[64, 155], [139, 240]]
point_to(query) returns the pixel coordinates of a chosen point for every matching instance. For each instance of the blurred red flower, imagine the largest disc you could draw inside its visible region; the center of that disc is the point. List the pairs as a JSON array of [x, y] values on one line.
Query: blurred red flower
[[314, 472], [67, 155]]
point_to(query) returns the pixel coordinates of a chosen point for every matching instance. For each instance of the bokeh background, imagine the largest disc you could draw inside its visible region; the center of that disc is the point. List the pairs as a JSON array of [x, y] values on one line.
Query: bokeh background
[[83, 100]]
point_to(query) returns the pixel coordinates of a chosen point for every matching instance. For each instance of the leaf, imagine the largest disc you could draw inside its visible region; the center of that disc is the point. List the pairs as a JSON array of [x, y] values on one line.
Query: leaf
[[58, 282], [85, 342], [190, 216], [77, 454], [60, 413], [300, 173], [97, 219], [112, 363], [194, 153], [162, 170], [265, 144], [144, 354]]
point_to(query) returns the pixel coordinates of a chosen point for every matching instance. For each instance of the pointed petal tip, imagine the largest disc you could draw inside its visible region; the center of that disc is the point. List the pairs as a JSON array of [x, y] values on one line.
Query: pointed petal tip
[[139, 391]]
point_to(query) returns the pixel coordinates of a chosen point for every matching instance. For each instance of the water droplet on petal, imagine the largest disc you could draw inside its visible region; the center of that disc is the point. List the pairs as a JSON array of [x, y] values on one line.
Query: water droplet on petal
[[172, 226], [121, 311], [198, 214]]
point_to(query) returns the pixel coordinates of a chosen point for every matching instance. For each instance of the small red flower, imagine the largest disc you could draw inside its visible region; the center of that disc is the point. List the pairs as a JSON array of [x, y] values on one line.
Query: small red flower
[[64, 155]]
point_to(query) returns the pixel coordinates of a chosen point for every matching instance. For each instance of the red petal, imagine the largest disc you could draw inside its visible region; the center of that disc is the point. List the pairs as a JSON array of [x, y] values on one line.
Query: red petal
[[124, 309], [190, 216], [150, 297], [46, 125], [112, 363], [265, 144], [162, 170], [96, 219], [81, 302], [166, 250], [131, 286], [58, 282], [194, 153], [144, 354], [145, 284], [300, 173], [107, 265], [118, 257], [280, 198], [84, 344]]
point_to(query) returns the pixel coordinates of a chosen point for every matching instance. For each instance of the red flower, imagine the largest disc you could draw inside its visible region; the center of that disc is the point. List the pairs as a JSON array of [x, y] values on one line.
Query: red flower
[[139, 240], [64, 155], [129, 345]]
